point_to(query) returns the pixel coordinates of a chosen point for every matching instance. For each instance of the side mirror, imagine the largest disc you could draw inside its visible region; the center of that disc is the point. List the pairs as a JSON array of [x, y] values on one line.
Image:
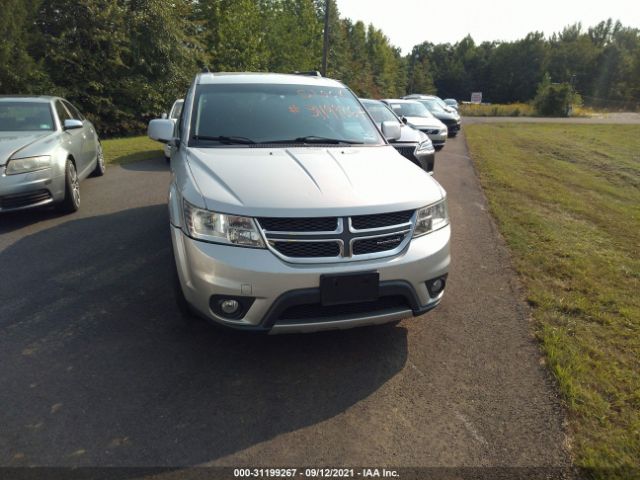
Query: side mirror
[[391, 130], [164, 116], [71, 124], [160, 130], [404, 120]]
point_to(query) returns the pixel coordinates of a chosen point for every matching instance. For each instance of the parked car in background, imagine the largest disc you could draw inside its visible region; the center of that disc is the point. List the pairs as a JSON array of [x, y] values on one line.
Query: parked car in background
[[46, 148], [447, 115], [420, 118], [452, 102], [412, 144], [290, 212], [174, 115]]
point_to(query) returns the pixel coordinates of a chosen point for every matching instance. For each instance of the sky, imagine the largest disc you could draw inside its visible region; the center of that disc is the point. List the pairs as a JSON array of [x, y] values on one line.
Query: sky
[[409, 22]]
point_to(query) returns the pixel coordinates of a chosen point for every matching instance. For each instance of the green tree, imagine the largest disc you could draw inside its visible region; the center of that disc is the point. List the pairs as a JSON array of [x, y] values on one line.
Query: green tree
[[293, 35], [83, 47], [19, 72], [234, 34]]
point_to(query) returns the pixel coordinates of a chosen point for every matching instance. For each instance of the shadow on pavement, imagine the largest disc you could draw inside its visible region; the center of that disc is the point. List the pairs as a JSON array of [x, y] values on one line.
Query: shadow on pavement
[[97, 370], [158, 164], [10, 221]]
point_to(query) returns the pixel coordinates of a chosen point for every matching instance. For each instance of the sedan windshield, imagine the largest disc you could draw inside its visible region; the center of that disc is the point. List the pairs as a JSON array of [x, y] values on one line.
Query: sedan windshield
[[433, 105], [25, 117], [243, 114], [410, 109]]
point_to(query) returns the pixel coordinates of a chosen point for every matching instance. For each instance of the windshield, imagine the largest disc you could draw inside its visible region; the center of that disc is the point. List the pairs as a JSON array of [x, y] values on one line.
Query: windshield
[[25, 117], [276, 113], [379, 111], [176, 110], [410, 109], [433, 104]]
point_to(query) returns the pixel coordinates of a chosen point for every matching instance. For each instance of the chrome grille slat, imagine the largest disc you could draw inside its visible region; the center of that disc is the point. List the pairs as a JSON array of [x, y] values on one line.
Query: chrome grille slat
[[379, 235]]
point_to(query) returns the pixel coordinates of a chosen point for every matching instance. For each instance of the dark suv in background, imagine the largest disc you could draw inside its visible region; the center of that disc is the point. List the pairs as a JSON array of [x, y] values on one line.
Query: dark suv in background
[[443, 112]]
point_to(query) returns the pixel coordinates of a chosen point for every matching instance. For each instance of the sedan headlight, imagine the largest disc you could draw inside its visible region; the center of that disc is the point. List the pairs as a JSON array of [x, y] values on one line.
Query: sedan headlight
[[221, 228], [28, 164], [425, 147], [431, 218]]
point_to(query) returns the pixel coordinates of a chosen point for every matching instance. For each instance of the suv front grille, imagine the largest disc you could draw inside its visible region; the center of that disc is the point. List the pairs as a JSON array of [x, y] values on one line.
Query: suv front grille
[[319, 224], [378, 244], [406, 151], [362, 222], [331, 239], [307, 249]]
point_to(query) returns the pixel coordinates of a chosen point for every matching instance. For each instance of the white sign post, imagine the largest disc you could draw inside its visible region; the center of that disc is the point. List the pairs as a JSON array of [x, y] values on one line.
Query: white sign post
[[476, 97]]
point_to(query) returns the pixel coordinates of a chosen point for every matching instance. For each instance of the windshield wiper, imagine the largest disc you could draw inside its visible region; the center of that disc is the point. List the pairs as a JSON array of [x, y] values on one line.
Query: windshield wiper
[[315, 139], [225, 139]]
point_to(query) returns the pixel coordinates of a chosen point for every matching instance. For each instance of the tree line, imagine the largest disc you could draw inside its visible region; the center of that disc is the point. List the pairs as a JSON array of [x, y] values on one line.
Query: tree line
[[602, 63], [125, 61]]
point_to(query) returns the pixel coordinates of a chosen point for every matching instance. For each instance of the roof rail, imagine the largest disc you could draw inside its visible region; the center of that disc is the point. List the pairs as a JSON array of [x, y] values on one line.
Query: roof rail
[[310, 73]]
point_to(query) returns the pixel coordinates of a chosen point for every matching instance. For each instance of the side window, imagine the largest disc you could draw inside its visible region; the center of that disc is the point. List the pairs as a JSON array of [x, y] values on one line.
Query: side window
[[75, 114], [62, 112]]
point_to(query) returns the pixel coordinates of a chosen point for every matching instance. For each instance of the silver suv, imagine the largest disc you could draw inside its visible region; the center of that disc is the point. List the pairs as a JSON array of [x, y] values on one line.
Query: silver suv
[[290, 211]]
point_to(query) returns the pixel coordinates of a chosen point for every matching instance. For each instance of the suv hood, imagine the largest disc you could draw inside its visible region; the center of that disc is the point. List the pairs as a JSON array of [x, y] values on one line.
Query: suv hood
[[309, 181], [12, 142], [425, 122]]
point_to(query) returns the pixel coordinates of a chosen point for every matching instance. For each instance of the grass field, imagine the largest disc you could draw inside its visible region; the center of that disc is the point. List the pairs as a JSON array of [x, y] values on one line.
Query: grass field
[[497, 110], [519, 110], [567, 200], [131, 149]]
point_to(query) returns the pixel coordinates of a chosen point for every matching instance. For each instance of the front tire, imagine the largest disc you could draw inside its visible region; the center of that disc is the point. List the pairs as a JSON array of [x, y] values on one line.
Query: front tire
[[71, 202], [100, 164]]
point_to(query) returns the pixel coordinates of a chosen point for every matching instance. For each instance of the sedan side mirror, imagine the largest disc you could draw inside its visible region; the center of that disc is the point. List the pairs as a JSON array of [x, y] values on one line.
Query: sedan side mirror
[[391, 130], [72, 124], [405, 120], [160, 130], [164, 116]]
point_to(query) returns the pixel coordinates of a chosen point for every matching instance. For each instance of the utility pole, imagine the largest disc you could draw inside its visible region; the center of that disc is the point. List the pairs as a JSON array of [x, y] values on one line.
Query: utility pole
[[325, 46]]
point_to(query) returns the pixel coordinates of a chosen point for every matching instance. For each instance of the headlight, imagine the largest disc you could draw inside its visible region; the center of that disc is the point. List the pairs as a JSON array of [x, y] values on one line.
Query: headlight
[[431, 218], [221, 228], [29, 164], [425, 147]]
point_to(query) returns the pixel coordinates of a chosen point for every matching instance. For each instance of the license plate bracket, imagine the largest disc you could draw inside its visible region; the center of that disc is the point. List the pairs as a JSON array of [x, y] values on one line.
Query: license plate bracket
[[346, 288]]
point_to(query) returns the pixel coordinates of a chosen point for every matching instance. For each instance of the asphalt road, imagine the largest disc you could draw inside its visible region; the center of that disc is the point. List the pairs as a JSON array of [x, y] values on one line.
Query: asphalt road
[[95, 368]]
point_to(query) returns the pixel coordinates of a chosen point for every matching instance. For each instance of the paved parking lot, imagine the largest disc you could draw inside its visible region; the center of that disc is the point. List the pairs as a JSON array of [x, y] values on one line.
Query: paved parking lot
[[95, 368]]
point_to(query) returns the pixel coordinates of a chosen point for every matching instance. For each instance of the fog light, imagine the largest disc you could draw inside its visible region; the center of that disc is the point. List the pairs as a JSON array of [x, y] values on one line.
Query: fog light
[[436, 285], [229, 306]]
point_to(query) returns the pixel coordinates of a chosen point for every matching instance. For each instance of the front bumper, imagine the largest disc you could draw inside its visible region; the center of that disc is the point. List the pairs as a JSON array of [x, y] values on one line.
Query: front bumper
[[453, 127], [285, 297], [29, 190]]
